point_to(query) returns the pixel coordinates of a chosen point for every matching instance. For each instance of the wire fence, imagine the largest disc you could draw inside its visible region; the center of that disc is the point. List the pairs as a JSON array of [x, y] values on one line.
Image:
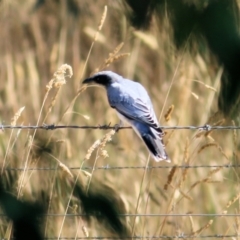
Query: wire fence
[[205, 128]]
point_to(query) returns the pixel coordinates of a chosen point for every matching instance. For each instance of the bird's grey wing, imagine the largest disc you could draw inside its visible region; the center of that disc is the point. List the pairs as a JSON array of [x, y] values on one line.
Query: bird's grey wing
[[136, 109]]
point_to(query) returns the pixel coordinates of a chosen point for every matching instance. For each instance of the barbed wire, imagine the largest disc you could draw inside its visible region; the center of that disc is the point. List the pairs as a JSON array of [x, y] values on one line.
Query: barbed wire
[[206, 127]]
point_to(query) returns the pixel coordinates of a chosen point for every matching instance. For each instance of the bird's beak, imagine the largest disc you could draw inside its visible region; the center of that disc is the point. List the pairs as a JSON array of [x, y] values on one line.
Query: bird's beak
[[88, 80]]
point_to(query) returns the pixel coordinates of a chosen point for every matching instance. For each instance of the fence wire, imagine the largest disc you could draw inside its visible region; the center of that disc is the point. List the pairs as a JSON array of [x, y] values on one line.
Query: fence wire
[[55, 215], [206, 127], [108, 167]]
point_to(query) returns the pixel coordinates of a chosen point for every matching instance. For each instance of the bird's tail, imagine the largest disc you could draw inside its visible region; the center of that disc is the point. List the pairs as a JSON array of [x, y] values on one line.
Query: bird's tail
[[154, 142]]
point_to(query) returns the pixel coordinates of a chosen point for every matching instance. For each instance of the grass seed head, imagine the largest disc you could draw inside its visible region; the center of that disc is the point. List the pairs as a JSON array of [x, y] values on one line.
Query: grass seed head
[[104, 15], [59, 77], [170, 177], [65, 169], [169, 112], [107, 138], [91, 149], [16, 116]]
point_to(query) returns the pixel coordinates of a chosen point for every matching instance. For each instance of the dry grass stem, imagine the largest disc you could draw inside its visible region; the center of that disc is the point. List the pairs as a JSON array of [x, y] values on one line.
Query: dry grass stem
[[100, 38], [195, 95], [85, 231], [59, 79], [206, 85], [220, 122], [65, 169], [22, 176], [223, 153], [49, 86], [80, 90], [95, 39], [231, 202], [87, 174], [172, 80], [212, 172], [13, 123], [186, 152], [169, 136], [164, 104], [101, 152], [148, 39], [185, 195], [201, 133], [62, 166], [139, 196], [204, 180], [186, 161], [213, 181], [210, 222], [192, 223], [237, 222], [213, 145], [170, 206], [112, 57], [235, 138], [207, 146]]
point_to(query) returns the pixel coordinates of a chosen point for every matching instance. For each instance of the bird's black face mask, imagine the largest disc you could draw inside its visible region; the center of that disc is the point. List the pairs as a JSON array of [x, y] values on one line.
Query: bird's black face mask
[[99, 79]]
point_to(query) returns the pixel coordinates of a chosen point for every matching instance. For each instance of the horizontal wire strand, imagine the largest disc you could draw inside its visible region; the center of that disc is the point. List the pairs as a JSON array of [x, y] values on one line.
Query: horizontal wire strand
[[106, 127], [143, 215], [107, 167]]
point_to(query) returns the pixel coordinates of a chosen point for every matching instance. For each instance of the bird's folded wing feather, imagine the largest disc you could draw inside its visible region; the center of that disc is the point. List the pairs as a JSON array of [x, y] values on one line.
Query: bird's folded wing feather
[[137, 110]]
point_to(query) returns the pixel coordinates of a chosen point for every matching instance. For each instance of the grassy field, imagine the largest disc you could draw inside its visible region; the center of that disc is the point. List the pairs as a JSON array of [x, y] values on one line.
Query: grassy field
[[37, 89]]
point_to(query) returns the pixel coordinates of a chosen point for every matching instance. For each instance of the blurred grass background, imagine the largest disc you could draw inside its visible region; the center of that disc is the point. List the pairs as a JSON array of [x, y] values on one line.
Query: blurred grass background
[[35, 42]]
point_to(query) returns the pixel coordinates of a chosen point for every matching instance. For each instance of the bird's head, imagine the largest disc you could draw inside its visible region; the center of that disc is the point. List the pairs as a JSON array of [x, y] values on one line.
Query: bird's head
[[104, 78]]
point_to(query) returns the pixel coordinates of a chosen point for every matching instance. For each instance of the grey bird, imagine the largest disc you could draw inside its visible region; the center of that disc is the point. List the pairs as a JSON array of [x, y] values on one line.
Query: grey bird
[[133, 105]]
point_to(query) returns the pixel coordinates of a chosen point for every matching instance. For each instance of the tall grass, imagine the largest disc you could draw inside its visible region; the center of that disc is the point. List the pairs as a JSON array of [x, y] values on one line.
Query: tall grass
[[35, 44]]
